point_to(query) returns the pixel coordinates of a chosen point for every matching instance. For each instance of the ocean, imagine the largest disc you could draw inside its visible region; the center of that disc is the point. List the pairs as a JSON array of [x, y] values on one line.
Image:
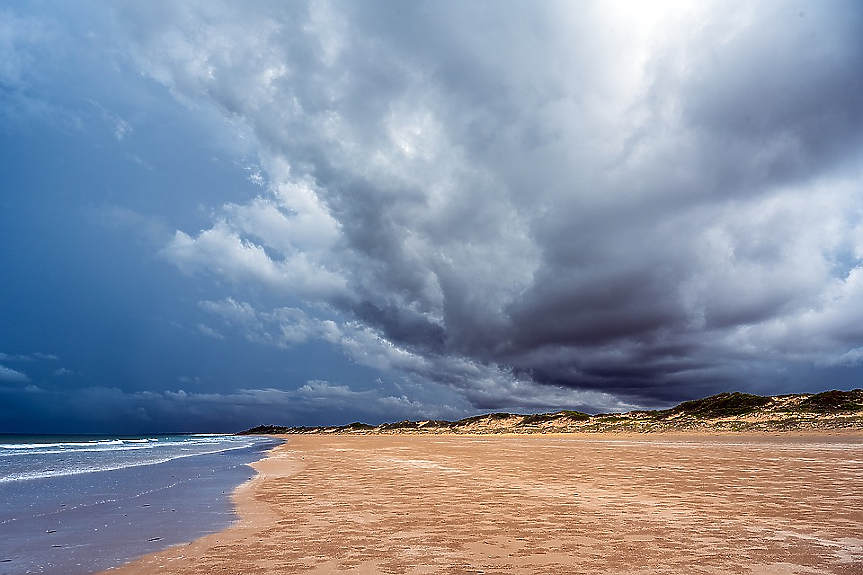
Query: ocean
[[75, 505]]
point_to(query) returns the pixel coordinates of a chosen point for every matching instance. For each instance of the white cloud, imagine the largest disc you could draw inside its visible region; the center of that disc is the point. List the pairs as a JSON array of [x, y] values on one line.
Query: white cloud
[[282, 327], [7, 374], [224, 251], [210, 332]]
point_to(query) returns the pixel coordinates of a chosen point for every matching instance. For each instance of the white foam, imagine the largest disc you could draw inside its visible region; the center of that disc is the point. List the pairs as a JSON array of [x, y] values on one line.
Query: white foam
[[97, 456]]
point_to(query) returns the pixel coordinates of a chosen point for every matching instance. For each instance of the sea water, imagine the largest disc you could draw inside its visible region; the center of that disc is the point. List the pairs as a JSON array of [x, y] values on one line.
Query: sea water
[[75, 505]]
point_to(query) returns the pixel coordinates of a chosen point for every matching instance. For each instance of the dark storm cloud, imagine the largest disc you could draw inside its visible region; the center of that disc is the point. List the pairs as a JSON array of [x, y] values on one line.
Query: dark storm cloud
[[592, 199], [509, 205]]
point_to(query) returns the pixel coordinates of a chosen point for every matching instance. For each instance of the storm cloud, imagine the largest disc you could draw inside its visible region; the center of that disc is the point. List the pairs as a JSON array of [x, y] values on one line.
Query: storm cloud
[[596, 204], [582, 196]]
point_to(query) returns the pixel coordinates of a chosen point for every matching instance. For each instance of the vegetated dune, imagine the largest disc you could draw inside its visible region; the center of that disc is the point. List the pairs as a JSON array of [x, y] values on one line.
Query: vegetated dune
[[724, 412]]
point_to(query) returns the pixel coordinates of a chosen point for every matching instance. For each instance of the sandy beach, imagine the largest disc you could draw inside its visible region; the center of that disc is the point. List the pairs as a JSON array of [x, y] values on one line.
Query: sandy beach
[[657, 504]]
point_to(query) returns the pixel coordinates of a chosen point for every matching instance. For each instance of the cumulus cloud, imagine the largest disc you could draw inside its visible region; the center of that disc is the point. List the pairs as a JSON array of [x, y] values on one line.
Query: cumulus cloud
[[580, 205], [282, 327]]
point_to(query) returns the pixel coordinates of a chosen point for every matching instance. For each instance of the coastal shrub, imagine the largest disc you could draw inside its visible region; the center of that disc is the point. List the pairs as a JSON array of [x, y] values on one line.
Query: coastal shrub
[[611, 417], [536, 418], [478, 418], [832, 401], [266, 430], [560, 415], [575, 415], [719, 405], [357, 426]]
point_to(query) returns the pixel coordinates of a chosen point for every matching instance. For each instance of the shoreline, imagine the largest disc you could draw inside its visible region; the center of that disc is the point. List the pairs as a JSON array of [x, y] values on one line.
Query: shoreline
[[401, 503], [250, 516], [75, 506]]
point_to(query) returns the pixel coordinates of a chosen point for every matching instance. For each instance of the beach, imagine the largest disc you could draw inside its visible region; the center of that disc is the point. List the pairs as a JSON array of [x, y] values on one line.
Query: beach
[[639, 504]]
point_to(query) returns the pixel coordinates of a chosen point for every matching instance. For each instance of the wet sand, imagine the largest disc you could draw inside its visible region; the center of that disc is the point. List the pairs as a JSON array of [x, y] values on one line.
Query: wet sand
[[658, 504]]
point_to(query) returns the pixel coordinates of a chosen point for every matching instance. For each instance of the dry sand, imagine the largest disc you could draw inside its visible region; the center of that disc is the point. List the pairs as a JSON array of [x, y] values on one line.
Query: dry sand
[[656, 504]]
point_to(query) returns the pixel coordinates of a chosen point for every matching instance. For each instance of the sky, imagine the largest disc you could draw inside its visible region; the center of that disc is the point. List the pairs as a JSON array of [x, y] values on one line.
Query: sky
[[215, 215]]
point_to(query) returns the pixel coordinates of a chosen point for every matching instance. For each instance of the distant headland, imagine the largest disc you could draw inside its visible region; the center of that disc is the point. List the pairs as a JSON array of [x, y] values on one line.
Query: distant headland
[[724, 412]]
